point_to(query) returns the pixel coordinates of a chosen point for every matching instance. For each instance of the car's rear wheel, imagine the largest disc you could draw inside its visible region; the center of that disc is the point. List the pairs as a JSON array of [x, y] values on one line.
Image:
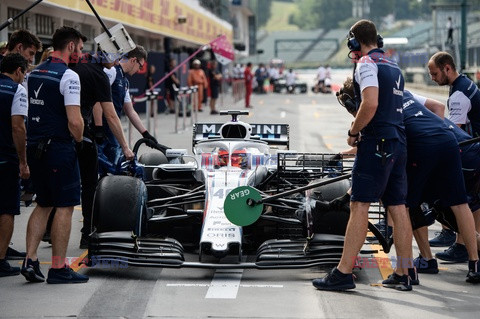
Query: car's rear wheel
[[120, 205], [333, 221]]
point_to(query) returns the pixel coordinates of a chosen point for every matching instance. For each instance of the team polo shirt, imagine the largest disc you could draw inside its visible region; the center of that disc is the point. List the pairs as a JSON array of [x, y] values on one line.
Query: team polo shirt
[[52, 86], [120, 90], [95, 87], [13, 101], [376, 70], [464, 105], [422, 127]]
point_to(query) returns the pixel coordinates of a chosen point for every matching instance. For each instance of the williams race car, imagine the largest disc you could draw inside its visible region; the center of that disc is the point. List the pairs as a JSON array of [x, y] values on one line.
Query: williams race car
[[241, 200]]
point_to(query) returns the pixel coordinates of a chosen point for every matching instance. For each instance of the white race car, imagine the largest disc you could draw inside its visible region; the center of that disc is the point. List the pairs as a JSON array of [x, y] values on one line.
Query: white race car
[[238, 194]]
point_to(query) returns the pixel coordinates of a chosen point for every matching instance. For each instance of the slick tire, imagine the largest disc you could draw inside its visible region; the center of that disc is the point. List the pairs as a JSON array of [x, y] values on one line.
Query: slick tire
[[120, 205], [156, 158], [331, 191]]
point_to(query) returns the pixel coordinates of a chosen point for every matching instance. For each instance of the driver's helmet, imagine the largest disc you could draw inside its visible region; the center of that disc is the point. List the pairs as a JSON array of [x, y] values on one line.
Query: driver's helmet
[[239, 158], [222, 157]]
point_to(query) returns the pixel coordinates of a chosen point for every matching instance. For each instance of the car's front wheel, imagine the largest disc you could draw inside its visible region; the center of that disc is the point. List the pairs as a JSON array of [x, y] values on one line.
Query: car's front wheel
[[120, 205]]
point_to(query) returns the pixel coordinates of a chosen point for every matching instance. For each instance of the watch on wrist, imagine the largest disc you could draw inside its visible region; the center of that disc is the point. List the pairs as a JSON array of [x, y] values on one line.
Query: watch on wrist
[[353, 135]]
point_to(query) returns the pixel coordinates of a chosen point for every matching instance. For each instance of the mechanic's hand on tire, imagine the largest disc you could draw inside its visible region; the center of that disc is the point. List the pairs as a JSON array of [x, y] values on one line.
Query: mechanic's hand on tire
[[128, 154], [99, 134], [149, 136]]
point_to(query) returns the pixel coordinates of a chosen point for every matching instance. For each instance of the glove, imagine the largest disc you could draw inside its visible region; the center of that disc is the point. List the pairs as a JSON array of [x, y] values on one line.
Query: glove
[[99, 134], [335, 160], [79, 147], [150, 137]]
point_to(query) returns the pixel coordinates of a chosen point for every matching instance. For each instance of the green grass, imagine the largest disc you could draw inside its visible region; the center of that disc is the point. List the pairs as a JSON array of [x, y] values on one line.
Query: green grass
[[279, 17]]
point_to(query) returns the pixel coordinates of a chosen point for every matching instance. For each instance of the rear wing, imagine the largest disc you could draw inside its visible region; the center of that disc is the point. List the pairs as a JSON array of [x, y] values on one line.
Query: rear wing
[[273, 134]]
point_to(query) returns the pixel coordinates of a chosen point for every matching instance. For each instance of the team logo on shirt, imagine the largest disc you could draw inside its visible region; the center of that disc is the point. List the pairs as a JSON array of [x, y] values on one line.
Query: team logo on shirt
[[397, 90], [36, 100]]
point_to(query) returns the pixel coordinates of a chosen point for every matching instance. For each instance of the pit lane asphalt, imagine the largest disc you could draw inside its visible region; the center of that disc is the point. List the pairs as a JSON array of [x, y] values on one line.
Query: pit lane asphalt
[[317, 124]]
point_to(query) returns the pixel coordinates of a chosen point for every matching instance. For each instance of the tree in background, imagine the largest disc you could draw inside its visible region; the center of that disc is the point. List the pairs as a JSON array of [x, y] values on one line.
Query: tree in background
[[314, 14]]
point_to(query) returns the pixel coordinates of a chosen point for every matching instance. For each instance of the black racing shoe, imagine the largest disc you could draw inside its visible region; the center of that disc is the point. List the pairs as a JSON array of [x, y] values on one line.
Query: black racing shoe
[[31, 271], [13, 254], [473, 275], [65, 275], [401, 283], [457, 253], [445, 238], [426, 266], [335, 281], [7, 270], [413, 274]]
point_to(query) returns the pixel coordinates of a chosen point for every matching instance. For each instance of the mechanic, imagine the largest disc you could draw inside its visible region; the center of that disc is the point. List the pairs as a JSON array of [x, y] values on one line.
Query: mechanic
[[464, 97], [379, 168], [107, 144], [432, 151], [470, 155], [52, 156], [27, 44], [464, 109], [13, 158], [96, 88]]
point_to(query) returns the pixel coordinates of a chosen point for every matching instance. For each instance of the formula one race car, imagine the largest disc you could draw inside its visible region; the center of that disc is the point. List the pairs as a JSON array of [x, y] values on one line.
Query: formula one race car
[[280, 86], [233, 196]]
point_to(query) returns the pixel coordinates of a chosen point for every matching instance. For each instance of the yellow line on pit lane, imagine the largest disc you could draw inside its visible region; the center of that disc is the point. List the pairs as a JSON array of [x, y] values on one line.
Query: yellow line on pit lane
[[383, 262], [75, 265]]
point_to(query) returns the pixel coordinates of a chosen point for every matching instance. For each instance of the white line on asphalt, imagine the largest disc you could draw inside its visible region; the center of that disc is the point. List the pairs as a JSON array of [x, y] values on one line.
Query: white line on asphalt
[[241, 285], [225, 284], [283, 114]]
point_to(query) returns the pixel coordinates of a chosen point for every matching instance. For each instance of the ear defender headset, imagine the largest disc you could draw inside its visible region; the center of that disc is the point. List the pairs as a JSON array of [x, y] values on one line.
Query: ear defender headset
[[349, 102], [354, 45]]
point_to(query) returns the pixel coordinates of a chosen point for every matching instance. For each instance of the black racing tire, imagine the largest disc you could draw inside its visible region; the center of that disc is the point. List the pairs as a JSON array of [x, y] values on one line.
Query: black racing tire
[[330, 191], [120, 205], [333, 221], [156, 158]]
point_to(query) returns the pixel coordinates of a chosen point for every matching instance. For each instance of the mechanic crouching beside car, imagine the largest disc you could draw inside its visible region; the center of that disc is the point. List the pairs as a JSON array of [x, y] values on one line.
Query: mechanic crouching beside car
[[13, 158], [379, 168], [55, 129]]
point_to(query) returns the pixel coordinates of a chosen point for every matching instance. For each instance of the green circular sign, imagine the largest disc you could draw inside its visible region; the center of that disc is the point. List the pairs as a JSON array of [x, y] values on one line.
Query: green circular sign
[[240, 207]]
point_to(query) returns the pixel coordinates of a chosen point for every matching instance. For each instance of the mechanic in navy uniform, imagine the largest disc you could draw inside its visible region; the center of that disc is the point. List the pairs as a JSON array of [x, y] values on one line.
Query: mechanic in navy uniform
[[95, 88], [463, 106], [379, 168], [464, 96], [13, 158], [54, 124], [434, 171], [108, 144], [27, 44], [470, 156]]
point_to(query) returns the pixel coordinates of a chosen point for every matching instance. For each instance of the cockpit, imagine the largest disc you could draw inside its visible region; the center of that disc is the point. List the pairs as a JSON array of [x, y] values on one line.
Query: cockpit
[[223, 153]]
